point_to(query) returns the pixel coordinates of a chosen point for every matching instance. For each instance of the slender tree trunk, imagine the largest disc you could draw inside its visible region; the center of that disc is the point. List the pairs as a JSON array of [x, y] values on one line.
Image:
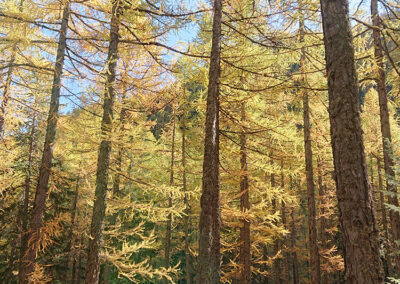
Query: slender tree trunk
[[294, 268], [312, 212], [356, 207], [78, 272], [103, 160], [25, 208], [323, 223], [384, 219], [186, 202], [388, 161], [71, 232], [167, 248], [245, 253], [286, 256], [6, 91], [277, 245], [209, 241], [45, 167]]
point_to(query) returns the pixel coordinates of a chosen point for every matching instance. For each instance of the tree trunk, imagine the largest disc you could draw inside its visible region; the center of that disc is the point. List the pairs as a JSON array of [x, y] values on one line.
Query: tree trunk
[[71, 232], [118, 168], [25, 208], [295, 272], [286, 256], [186, 202], [96, 229], [45, 167], [209, 242], [388, 161], [245, 253], [323, 223], [356, 208], [277, 246], [6, 95], [384, 219], [312, 212], [171, 182]]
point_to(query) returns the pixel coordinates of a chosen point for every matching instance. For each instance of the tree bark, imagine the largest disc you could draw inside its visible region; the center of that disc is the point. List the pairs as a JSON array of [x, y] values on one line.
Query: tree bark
[[71, 232], [209, 242], [277, 245], [45, 167], [312, 212], [388, 161], [25, 208], [103, 160], [384, 219], [245, 253], [6, 95], [186, 202], [286, 255], [356, 207], [323, 223], [295, 272], [171, 182]]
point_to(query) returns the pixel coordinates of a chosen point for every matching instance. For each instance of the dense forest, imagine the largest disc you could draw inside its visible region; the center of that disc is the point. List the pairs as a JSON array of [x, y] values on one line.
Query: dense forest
[[223, 141]]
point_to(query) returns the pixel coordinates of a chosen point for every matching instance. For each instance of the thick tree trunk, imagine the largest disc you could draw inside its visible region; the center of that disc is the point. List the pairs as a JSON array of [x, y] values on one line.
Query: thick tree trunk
[[245, 253], [356, 208], [186, 202], [45, 167], [103, 160], [388, 161], [312, 212], [25, 208], [209, 242]]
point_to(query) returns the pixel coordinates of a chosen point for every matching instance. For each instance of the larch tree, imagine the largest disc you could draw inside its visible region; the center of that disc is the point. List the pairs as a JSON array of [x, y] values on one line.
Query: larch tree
[[308, 154], [356, 207], [39, 206], [209, 240], [388, 159], [103, 160]]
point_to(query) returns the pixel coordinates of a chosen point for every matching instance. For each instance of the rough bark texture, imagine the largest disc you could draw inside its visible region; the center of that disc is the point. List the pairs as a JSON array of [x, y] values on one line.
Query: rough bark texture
[[312, 212], [245, 256], [45, 166], [103, 160], [356, 208], [186, 201], [209, 242], [388, 161]]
